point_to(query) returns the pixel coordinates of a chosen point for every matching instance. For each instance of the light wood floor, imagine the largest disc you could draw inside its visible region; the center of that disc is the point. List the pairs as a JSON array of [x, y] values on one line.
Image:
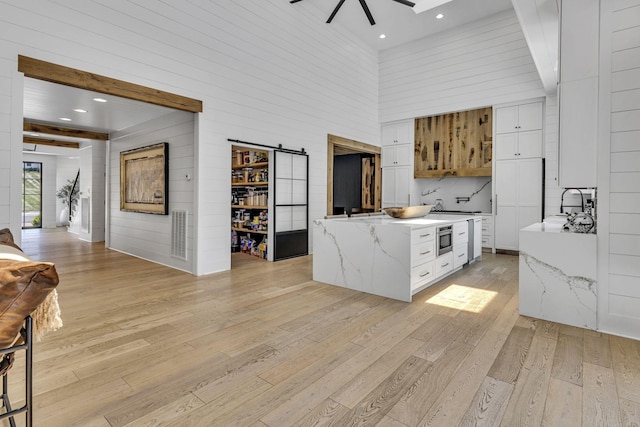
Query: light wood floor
[[264, 345]]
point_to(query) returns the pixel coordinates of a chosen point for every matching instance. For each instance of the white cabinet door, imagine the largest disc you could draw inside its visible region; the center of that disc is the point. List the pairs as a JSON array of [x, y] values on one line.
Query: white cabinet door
[[477, 237], [518, 198], [395, 186], [519, 145], [507, 119], [529, 144], [506, 183], [388, 155], [506, 226], [396, 155], [519, 118], [529, 116], [397, 133], [506, 146], [403, 154], [578, 133]]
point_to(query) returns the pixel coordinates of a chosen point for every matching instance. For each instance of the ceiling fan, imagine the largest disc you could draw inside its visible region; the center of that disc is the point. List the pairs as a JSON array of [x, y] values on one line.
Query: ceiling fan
[[363, 3]]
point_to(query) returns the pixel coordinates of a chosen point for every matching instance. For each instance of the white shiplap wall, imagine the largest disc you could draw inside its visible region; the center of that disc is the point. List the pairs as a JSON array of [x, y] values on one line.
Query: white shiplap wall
[[552, 192], [619, 169], [484, 63], [265, 70], [148, 236]]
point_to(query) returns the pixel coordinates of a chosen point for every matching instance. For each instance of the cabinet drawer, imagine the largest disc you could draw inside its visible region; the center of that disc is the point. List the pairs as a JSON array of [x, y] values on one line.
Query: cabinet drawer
[[444, 264], [423, 252], [487, 241], [422, 274], [460, 256], [460, 232], [422, 235]]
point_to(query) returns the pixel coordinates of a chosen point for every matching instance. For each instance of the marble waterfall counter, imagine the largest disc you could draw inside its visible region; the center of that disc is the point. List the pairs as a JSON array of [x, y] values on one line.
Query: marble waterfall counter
[[558, 275], [385, 256]]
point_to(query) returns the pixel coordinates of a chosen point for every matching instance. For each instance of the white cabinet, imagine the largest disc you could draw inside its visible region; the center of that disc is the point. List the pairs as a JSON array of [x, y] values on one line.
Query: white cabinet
[[578, 93], [397, 163], [487, 231], [519, 145], [518, 199], [395, 186], [519, 131], [397, 133], [477, 237], [460, 241], [423, 254], [519, 118], [397, 155], [444, 264]]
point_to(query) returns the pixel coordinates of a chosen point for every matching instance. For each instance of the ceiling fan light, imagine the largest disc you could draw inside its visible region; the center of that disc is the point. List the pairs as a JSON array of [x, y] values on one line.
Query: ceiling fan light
[[424, 5]]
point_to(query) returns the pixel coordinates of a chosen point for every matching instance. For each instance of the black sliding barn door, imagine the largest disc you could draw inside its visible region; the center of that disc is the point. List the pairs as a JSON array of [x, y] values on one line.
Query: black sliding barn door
[[291, 216]]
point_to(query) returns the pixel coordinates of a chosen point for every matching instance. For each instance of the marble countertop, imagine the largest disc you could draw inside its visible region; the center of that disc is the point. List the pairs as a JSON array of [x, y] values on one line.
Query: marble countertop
[[431, 219], [543, 227]]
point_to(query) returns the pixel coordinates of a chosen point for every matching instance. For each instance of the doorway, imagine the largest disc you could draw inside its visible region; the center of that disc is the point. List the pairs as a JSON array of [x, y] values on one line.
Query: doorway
[[354, 176], [31, 195]]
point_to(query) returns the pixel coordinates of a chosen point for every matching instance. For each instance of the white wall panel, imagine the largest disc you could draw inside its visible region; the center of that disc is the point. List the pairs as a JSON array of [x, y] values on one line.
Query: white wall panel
[[484, 63], [266, 71], [619, 169], [148, 236]]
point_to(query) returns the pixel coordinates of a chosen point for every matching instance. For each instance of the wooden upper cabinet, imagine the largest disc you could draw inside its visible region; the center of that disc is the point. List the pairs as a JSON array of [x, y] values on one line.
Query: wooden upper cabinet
[[455, 144]]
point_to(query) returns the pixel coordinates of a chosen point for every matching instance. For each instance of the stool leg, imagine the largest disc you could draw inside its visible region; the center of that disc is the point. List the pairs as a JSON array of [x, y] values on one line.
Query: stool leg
[[29, 371]]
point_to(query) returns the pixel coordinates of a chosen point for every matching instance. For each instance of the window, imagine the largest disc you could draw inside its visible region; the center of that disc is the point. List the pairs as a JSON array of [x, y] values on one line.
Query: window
[[31, 195]]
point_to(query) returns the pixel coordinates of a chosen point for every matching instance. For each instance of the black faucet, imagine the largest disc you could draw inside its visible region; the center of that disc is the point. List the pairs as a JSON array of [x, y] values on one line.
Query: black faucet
[[562, 199]]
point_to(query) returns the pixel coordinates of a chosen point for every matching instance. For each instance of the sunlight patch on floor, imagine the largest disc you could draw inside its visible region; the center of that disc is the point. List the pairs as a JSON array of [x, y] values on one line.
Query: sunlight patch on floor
[[463, 298]]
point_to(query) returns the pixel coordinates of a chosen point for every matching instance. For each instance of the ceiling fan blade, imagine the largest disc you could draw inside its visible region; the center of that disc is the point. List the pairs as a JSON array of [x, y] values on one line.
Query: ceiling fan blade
[[333, 14], [405, 2], [367, 12]]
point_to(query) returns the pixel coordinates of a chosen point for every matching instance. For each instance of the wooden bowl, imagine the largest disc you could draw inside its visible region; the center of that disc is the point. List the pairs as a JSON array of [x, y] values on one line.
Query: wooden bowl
[[408, 211]]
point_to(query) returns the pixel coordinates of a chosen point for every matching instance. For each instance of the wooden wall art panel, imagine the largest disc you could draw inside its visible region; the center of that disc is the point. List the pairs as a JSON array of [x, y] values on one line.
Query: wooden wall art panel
[[454, 144]]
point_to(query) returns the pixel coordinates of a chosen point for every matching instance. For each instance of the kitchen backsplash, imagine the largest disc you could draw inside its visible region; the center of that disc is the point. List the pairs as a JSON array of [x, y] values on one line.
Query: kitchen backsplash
[[454, 193]]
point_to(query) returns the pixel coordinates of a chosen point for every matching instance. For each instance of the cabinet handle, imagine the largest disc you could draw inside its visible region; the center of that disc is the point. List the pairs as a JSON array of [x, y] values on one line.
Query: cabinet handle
[[460, 256], [424, 253], [425, 274], [425, 235], [462, 234], [444, 265]]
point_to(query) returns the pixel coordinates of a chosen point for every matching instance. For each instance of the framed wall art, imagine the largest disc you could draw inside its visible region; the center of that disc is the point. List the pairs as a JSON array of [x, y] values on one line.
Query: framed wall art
[[144, 179]]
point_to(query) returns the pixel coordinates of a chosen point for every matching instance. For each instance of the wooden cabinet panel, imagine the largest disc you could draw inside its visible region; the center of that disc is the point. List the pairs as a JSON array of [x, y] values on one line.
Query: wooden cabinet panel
[[455, 144]]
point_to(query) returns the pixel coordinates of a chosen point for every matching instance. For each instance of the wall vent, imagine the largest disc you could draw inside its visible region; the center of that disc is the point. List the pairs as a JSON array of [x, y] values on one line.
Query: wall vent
[[179, 234]]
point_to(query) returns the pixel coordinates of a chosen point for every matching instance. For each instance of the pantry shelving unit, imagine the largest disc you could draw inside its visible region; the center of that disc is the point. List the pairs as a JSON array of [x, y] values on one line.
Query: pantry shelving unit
[[249, 207]]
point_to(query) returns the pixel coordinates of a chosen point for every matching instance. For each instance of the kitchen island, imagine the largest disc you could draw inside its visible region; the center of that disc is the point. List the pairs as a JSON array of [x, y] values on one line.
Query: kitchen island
[[558, 275], [394, 258]]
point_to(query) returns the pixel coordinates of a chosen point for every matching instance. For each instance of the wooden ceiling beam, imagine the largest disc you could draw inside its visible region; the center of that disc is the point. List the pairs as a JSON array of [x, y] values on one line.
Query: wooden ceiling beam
[[55, 73], [52, 142], [63, 131]]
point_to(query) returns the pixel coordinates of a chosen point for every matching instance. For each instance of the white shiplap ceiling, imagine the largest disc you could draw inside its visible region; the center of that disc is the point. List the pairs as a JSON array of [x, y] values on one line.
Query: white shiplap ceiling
[[399, 22], [46, 102]]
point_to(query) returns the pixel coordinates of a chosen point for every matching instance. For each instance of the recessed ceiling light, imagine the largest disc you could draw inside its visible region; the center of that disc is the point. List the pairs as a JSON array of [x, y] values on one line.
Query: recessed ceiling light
[[99, 99], [79, 110], [65, 119], [382, 36], [424, 5], [439, 16]]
